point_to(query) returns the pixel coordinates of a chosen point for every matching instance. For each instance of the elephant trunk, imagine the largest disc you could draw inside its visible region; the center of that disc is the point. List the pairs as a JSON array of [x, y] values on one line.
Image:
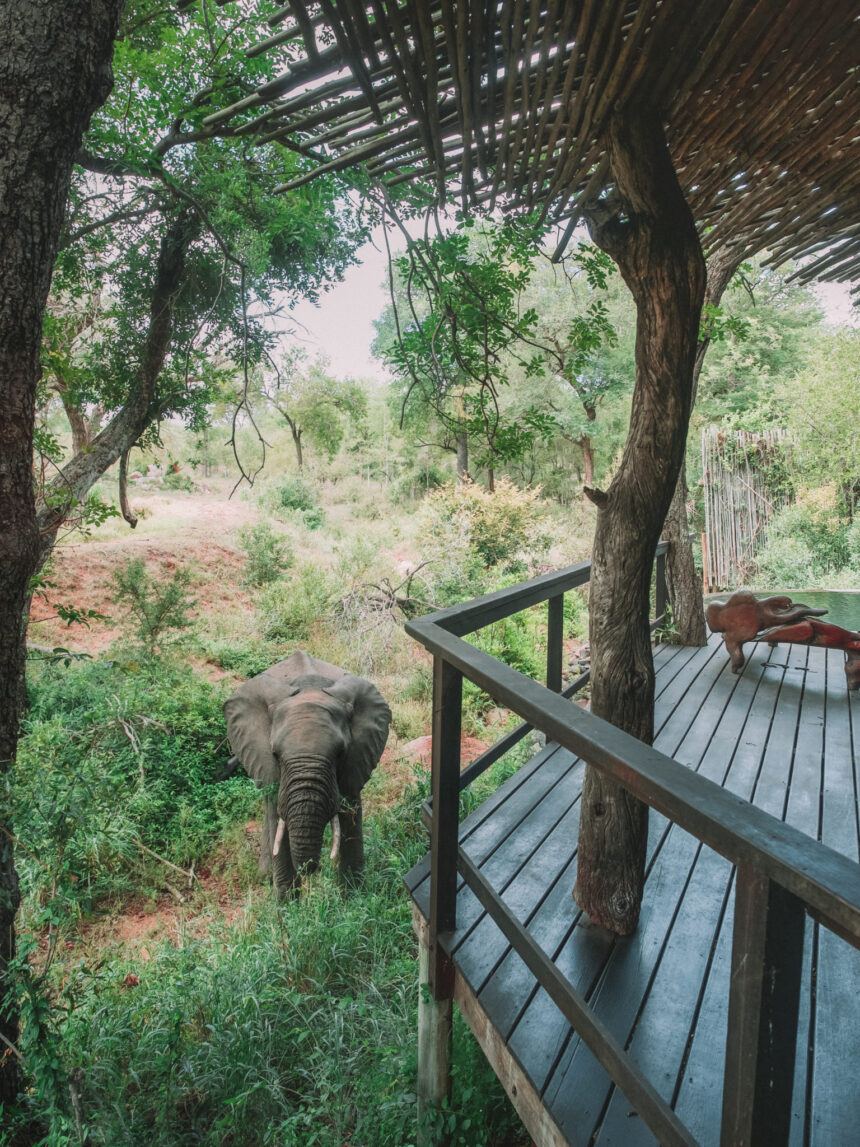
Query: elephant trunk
[[307, 800]]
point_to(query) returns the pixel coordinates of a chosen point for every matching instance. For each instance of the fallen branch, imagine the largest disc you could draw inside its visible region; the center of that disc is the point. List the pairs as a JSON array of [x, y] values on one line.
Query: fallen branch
[[190, 876], [12, 1048]]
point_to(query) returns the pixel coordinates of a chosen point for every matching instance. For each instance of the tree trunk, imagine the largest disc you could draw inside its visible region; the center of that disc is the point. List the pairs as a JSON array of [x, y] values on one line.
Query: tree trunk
[[462, 441], [81, 473], [587, 449], [297, 439], [77, 420], [683, 581], [647, 228], [491, 480], [54, 72]]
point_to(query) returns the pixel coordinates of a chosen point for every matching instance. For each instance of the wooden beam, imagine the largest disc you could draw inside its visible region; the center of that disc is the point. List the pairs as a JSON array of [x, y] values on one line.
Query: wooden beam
[[435, 1027], [764, 999]]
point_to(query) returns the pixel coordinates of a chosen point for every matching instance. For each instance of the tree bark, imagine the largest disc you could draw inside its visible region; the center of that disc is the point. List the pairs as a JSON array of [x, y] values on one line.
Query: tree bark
[[587, 449], [647, 228], [77, 420], [683, 581], [54, 72], [462, 441], [80, 474], [297, 439]]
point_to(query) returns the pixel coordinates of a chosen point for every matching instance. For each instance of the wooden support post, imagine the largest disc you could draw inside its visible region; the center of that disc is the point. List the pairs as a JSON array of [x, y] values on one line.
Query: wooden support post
[[660, 595], [767, 956], [555, 642], [435, 1025], [437, 970]]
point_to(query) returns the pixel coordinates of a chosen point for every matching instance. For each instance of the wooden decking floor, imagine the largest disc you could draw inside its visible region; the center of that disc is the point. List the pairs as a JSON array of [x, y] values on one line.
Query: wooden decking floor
[[786, 735]]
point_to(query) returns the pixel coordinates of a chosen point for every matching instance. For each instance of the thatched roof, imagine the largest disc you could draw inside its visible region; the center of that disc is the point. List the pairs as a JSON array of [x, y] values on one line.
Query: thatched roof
[[509, 100]]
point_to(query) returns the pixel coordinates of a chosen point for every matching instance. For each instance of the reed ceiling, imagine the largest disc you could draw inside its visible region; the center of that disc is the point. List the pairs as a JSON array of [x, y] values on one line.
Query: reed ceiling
[[507, 102]]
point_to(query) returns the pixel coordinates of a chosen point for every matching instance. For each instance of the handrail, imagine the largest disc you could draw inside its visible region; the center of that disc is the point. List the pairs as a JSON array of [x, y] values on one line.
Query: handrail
[[825, 879], [781, 873], [469, 616]]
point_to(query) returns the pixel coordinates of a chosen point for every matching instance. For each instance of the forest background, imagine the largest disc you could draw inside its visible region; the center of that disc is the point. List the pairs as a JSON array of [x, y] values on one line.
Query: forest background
[[164, 997]]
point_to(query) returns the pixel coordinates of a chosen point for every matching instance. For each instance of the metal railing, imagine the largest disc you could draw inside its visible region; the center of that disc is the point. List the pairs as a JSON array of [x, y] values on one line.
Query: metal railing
[[781, 874]]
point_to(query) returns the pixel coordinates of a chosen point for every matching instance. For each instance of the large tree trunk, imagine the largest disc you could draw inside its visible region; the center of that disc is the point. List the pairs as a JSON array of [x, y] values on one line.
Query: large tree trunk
[[54, 72], [80, 474], [649, 231], [682, 578]]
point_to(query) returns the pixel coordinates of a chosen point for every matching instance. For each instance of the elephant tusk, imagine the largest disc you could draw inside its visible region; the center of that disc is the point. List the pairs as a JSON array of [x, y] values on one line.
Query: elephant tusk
[[279, 836], [335, 836]]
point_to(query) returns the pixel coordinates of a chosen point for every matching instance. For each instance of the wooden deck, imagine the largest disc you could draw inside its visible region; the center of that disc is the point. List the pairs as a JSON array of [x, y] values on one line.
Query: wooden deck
[[784, 735]]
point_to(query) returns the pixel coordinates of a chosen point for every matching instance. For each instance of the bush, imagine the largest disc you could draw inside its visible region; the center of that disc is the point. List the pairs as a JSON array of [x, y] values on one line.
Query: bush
[[806, 541], [290, 609], [852, 542], [115, 757], [174, 481], [160, 607], [268, 554], [295, 1027], [293, 494], [247, 658], [505, 528], [787, 563], [313, 518]]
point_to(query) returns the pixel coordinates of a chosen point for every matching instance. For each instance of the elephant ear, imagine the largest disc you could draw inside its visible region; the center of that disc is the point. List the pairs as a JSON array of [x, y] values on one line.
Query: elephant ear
[[249, 725], [368, 728]]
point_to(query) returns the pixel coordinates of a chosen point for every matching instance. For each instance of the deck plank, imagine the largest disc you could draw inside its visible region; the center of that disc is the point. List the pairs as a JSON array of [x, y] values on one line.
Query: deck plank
[[785, 735], [836, 1031], [679, 982], [542, 1015], [759, 773], [659, 1046]]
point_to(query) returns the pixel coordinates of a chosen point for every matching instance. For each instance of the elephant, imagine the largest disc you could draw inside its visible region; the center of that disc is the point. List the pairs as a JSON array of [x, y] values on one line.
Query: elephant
[[316, 732]]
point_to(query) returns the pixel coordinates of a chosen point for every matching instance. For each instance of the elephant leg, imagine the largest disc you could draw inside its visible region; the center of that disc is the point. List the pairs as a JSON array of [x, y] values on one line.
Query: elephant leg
[[351, 840], [284, 878]]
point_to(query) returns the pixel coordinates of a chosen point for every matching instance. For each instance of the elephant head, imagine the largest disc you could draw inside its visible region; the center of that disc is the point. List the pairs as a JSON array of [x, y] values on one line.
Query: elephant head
[[316, 732]]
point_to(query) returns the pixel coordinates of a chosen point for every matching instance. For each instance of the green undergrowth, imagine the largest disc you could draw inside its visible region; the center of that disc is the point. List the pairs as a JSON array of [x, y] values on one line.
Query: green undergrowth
[[294, 1026], [118, 758]]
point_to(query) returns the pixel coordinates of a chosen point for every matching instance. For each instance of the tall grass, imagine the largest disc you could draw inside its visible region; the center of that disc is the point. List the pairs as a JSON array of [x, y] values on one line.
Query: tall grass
[[295, 1026]]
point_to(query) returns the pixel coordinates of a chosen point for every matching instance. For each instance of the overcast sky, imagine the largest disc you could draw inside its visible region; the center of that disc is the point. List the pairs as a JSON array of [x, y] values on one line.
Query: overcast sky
[[341, 326]]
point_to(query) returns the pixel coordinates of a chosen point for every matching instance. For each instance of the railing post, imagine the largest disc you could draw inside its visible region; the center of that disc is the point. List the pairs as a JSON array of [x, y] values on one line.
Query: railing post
[[555, 642], [661, 597], [764, 998], [436, 969]]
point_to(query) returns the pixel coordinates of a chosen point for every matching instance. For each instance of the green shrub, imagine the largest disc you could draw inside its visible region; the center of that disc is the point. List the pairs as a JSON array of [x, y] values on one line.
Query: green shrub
[[787, 563], [576, 614], [158, 606], [175, 481], [313, 518], [852, 543], [291, 608], [293, 494], [506, 527], [295, 1027], [244, 657], [112, 758], [268, 554], [806, 541]]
